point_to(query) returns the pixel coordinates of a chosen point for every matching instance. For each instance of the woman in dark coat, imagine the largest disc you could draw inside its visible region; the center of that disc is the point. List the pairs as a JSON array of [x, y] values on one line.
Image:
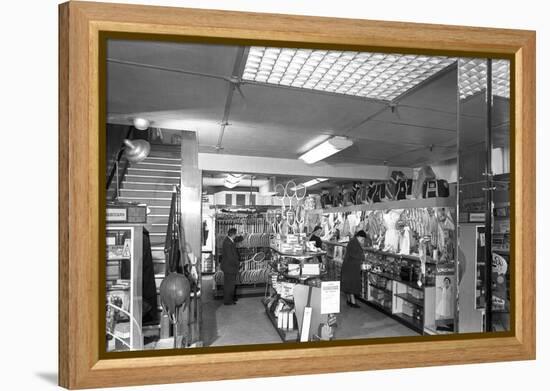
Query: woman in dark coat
[[351, 268]]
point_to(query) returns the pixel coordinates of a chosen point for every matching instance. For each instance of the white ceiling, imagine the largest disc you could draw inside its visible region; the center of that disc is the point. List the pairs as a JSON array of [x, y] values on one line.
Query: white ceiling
[[161, 82]]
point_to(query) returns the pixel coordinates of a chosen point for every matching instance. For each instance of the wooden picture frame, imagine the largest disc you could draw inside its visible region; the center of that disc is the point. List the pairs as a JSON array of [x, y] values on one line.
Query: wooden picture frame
[[81, 208]]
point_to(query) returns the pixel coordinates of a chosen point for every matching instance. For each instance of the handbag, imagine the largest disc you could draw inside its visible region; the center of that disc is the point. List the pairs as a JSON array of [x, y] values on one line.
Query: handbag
[[381, 193], [435, 188], [404, 189]]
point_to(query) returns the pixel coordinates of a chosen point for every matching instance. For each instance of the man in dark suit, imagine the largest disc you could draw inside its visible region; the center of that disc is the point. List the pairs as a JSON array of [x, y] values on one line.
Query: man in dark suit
[[230, 267]]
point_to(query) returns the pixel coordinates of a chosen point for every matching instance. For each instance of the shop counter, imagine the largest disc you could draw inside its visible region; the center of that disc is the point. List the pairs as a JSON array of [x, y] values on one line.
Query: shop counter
[[301, 255]]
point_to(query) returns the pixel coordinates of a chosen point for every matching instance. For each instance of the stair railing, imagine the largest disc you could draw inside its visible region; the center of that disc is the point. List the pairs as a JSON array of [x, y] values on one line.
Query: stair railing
[[116, 171], [172, 251]]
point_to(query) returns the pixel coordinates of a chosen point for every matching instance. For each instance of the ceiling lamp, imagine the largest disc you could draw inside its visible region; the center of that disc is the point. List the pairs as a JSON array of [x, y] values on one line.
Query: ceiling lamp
[[326, 149], [141, 123], [309, 183], [232, 180], [136, 151]]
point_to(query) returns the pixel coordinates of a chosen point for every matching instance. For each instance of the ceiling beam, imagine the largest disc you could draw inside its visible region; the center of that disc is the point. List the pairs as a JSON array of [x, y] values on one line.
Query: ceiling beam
[[295, 167], [167, 69], [233, 84]]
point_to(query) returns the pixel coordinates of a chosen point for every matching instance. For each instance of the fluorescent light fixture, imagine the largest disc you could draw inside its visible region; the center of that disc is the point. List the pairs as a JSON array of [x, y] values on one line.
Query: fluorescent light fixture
[[309, 183], [472, 77], [382, 76], [326, 149]]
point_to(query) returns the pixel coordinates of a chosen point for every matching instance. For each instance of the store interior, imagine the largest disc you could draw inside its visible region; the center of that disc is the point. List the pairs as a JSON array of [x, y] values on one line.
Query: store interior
[[398, 164]]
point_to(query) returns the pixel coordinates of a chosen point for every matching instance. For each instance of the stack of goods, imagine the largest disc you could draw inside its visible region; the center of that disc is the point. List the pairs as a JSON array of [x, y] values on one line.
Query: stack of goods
[[380, 290], [289, 244], [283, 311]]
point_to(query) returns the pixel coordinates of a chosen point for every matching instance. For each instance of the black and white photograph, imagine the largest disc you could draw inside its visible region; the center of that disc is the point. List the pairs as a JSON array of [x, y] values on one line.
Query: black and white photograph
[[265, 195]]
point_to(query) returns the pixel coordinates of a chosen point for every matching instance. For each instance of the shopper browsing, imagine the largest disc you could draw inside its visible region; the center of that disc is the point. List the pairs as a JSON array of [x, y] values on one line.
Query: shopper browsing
[[230, 266], [316, 236], [351, 268]]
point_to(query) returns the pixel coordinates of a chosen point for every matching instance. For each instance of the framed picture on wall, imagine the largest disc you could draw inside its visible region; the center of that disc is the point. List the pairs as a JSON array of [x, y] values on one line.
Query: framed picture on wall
[[308, 190]]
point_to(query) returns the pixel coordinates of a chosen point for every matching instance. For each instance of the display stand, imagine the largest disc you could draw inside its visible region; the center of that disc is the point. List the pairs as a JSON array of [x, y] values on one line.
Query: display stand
[[286, 335], [400, 296], [303, 286], [124, 286], [301, 293]]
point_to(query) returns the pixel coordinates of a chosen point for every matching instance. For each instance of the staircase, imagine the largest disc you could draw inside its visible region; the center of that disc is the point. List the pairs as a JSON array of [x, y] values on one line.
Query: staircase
[[151, 182]]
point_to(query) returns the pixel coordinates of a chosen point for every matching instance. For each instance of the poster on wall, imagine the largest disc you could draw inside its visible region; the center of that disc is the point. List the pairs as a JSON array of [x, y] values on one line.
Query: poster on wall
[[445, 297]]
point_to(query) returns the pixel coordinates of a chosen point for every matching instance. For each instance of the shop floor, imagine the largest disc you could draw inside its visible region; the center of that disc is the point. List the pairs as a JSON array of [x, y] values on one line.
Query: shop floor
[[246, 322]]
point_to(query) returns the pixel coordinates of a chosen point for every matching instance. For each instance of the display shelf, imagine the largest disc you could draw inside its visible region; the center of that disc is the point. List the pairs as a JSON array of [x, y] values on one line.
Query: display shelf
[[381, 289], [439, 202], [298, 255], [413, 285], [378, 306], [410, 257], [410, 298], [115, 259], [409, 321], [286, 336]]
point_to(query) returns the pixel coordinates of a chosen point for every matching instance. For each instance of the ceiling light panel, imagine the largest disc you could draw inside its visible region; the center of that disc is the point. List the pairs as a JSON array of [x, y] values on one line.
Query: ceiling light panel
[[379, 76], [472, 77]]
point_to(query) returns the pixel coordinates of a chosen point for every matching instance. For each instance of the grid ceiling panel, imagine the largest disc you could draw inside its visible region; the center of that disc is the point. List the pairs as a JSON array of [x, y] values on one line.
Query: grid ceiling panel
[[372, 75], [473, 77], [382, 76]]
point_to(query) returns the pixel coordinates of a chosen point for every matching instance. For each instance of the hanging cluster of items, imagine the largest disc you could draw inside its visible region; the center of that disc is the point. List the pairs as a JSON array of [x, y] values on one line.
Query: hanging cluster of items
[[252, 229], [291, 217], [398, 231], [397, 187]]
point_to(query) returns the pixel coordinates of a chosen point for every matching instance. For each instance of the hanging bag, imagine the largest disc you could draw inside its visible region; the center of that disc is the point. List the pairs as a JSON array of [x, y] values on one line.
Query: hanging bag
[[435, 188]]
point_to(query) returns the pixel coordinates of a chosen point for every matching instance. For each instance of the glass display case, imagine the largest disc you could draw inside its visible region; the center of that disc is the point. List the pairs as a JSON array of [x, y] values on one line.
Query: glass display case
[[124, 287]]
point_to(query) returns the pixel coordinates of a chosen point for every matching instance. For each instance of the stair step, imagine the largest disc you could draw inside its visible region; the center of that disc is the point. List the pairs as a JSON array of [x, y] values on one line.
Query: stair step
[[127, 185], [159, 210], [157, 219], [164, 153], [158, 254], [148, 178], [156, 227], [148, 201], [146, 193], [157, 166], [153, 172], [159, 268], [158, 239], [167, 160], [160, 145]]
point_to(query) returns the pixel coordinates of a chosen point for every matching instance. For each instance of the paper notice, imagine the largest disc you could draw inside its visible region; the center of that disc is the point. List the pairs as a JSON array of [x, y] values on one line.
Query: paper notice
[[330, 297]]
